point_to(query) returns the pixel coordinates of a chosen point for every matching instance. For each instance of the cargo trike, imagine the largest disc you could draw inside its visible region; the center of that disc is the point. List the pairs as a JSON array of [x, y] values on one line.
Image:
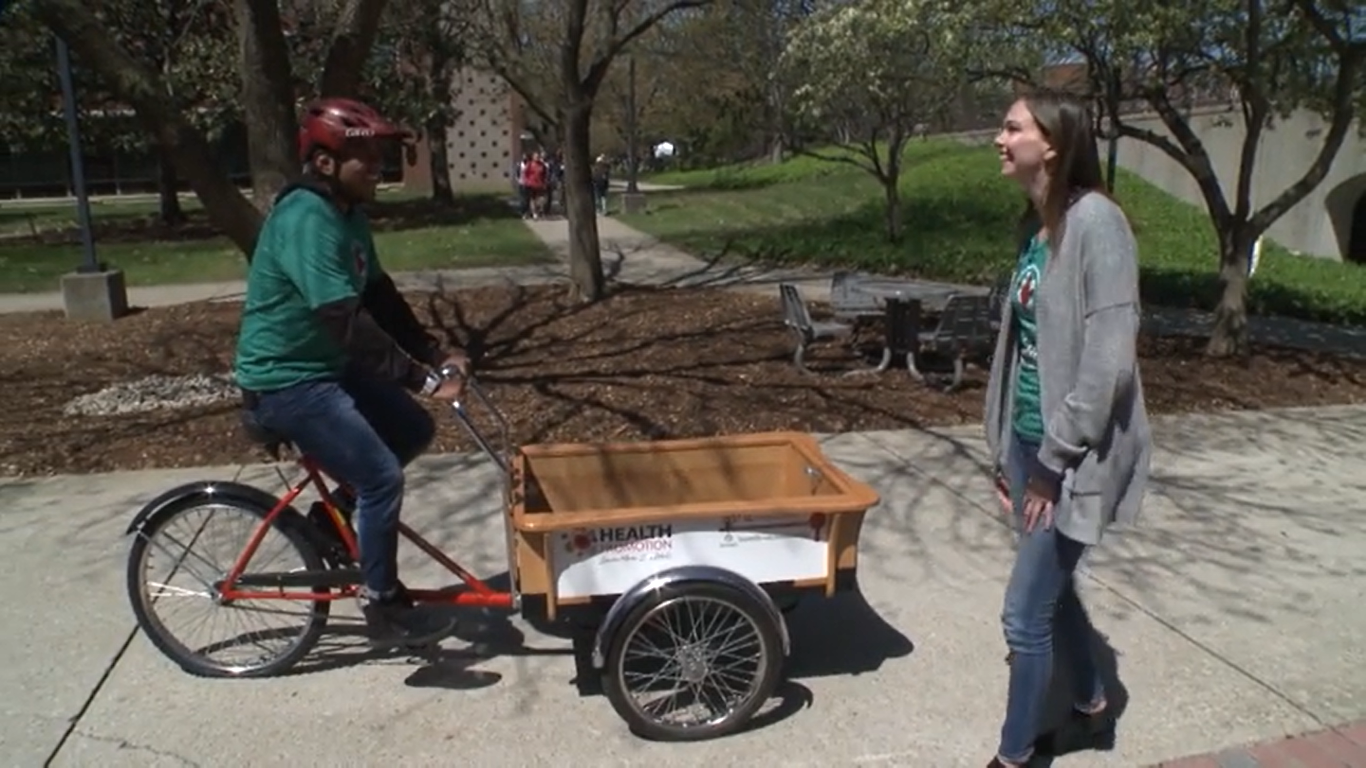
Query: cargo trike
[[675, 555]]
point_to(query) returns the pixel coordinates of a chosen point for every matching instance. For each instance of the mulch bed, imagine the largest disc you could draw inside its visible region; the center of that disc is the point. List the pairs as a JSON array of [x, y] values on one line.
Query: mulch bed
[[644, 364]]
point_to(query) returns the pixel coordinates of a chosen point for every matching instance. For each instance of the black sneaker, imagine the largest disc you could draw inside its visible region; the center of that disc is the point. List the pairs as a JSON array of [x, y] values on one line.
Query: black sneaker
[[393, 622], [1081, 732], [336, 548]]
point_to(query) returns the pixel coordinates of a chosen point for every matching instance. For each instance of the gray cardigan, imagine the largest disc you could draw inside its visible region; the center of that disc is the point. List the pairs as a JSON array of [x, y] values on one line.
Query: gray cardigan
[[1097, 442]]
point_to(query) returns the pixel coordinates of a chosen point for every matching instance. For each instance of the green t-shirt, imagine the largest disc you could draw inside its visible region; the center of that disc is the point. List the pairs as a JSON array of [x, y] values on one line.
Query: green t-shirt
[[308, 254], [1027, 418]]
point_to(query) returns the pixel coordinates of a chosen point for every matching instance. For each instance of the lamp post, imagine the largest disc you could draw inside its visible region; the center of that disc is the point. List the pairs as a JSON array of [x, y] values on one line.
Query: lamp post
[[633, 201], [92, 292], [89, 264], [632, 130]]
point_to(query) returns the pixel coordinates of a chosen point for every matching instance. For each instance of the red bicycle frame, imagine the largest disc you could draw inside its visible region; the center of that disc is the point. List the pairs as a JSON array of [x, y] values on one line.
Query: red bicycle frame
[[472, 591]]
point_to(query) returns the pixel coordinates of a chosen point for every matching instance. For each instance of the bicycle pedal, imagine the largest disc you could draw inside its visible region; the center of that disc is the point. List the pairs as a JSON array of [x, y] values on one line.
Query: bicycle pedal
[[340, 555]]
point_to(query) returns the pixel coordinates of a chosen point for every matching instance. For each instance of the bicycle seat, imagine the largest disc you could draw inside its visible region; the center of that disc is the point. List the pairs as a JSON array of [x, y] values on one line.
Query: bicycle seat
[[256, 432]]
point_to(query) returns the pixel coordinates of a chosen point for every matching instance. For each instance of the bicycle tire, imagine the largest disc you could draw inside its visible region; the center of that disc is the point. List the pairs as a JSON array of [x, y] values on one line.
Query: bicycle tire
[[170, 646]]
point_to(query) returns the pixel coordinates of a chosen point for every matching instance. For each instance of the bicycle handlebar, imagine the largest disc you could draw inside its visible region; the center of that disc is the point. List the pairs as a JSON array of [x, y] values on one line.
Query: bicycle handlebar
[[500, 457]]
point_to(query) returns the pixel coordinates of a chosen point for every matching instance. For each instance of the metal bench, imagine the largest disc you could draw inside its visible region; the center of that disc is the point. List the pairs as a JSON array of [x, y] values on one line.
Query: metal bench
[[964, 331], [797, 317]]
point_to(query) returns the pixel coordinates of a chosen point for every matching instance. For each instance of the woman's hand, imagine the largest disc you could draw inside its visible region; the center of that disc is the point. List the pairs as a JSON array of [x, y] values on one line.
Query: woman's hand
[[1038, 504], [1003, 494]]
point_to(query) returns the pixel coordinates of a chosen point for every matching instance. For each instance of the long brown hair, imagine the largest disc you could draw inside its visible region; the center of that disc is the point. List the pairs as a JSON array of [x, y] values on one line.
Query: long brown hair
[[1066, 122]]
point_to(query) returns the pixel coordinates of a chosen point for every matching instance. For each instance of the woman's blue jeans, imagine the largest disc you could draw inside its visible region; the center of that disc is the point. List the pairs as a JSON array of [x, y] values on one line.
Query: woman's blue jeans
[[1041, 605]]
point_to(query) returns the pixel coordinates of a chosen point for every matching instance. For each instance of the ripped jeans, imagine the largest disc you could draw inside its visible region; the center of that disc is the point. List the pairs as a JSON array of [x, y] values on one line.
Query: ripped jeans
[[1041, 605]]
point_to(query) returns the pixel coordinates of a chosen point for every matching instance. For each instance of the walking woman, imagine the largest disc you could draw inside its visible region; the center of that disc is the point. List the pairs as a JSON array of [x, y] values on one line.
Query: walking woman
[[1065, 419]]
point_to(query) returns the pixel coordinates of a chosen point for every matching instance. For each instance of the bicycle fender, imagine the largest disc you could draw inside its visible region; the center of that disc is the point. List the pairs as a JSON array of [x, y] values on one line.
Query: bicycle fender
[[209, 490], [678, 575]]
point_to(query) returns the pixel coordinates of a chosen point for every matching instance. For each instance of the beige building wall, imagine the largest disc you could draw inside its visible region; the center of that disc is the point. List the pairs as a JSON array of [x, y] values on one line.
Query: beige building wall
[[482, 142]]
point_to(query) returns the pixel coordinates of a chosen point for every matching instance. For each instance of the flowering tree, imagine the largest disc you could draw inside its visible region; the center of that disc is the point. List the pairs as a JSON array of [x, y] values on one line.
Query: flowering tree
[[1263, 59], [875, 72]]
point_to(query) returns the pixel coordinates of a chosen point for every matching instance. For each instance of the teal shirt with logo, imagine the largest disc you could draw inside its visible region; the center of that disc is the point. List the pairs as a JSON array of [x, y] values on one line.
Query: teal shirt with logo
[[308, 254], [1028, 416]]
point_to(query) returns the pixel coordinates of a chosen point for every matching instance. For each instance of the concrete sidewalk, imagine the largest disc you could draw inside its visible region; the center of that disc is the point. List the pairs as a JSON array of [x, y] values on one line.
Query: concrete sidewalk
[[1233, 615], [233, 290], [630, 256]]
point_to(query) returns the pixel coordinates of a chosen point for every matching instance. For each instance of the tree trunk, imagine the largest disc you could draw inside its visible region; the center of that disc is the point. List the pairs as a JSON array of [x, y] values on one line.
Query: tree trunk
[[585, 255], [892, 213], [134, 83], [777, 148], [170, 211], [267, 100], [438, 159], [1111, 161], [1230, 335], [890, 177], [439, 80], [352, 40]]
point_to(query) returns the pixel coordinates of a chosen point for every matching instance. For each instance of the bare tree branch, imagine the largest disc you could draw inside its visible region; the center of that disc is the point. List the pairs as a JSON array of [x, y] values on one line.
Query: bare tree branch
[[598, 70]]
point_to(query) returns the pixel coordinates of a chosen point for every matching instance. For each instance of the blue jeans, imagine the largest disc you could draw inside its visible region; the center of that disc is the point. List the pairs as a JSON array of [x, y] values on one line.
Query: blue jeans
[[1041, 599], [362, 432]]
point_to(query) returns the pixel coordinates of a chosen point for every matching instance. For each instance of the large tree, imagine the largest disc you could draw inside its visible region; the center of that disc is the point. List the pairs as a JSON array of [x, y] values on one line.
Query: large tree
[[184, 41], [165, 116], [876, 72], [416, 77], [1267, 58], [556, 56]]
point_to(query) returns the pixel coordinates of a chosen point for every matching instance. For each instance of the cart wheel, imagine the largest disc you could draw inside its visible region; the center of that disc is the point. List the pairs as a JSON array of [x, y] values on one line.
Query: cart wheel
[[693, 661]]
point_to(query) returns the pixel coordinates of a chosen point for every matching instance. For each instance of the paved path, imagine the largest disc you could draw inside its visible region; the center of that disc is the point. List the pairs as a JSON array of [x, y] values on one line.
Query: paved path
[[233, 290], [1231, 616], [1342, 747], [630, 256]]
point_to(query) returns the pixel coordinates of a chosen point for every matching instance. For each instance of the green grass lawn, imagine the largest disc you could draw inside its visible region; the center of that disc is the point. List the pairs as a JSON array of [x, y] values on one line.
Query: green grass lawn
[[410, 235], [958, 216]]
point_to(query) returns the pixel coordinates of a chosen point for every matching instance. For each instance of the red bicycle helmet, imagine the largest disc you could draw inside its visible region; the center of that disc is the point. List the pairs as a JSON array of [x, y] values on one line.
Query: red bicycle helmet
[[328, 123]]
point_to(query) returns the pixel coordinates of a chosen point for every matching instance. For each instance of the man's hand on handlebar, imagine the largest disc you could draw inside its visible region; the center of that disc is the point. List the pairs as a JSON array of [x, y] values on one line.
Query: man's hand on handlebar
[[457, 360], [453, 387]]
